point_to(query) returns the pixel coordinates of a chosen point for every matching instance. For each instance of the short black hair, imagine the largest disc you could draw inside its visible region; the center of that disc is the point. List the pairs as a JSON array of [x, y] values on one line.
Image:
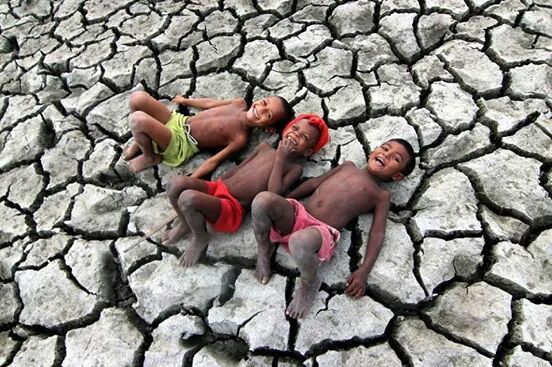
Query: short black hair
[[411, 163], [289, 115]]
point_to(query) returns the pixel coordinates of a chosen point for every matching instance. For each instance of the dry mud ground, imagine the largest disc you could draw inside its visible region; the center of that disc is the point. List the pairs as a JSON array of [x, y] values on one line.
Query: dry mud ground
[[465, 275]]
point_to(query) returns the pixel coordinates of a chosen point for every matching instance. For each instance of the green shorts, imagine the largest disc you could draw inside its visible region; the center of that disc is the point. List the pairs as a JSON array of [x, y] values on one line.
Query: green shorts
[[182, 145]]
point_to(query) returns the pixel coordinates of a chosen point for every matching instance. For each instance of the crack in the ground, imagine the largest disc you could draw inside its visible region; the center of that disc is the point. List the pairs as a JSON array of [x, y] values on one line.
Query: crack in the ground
[[95, 33]]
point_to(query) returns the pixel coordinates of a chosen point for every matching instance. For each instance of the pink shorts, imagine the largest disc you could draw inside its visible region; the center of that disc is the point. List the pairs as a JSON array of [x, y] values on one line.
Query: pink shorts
[[303, 219]]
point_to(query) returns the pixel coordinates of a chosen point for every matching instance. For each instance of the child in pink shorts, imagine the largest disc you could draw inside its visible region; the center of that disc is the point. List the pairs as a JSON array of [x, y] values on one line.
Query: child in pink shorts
[[303, 219], [310, 229]]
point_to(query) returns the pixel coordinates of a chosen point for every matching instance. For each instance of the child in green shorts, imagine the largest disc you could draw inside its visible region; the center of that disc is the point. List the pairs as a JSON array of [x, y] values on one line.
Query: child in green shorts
[[162, 135]]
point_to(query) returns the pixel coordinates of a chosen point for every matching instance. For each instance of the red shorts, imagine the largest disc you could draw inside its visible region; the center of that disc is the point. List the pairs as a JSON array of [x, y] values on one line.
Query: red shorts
[[303, 220], [231, 211]]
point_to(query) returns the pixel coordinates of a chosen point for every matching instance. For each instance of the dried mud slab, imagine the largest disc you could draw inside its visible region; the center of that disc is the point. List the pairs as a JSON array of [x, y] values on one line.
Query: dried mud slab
[[463, 277]]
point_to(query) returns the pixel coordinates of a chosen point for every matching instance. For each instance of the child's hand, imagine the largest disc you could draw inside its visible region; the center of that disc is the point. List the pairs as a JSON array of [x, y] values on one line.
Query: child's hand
[[356, 283], [178, 99], [285, 148]]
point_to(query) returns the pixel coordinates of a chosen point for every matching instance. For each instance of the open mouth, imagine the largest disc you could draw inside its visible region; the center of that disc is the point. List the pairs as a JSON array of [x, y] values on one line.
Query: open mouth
[[255, 113], [380, 161]]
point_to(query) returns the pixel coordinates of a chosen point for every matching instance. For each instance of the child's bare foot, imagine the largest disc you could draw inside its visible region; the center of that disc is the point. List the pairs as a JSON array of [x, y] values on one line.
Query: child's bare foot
[[143, 162], [131, 151], [195, 249], [303, 299], [264, 269], [174, 234]]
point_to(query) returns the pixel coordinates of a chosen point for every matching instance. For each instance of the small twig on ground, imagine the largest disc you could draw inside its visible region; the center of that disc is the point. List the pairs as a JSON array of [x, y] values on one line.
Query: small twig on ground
[[152, 231]]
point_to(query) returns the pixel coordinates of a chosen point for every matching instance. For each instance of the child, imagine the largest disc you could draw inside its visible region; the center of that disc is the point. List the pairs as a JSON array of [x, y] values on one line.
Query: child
[[223, 202], [310, 231], [170, 137]]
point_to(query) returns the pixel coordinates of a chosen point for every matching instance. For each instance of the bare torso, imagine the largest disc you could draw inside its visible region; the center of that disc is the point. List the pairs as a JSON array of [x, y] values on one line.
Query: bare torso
[[344, 195], [218, 126], [253, 177]]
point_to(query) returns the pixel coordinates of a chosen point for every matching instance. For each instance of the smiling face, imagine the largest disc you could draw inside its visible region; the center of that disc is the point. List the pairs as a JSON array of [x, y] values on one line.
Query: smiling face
[[302, 136], [265, 112], [388, 161]]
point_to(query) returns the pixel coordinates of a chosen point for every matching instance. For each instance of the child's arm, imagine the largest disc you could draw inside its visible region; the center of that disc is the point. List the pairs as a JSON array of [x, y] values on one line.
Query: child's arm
[[213, 162], [356, 283], [250, 157], [291, 176], [311, 184], [204, 103], [280, 180]]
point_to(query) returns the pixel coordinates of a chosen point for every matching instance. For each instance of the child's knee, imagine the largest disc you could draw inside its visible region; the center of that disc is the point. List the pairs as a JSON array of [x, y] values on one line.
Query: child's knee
[[137, 100], [261, 203], [175, 186], [136, 120], [305, 242], [188, 199]]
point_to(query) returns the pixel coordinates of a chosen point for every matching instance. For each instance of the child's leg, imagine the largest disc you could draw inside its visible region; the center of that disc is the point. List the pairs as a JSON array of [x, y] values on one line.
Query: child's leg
[[197, 207], [267, 210], [175, 187], [304, 246], [142, 101], [145, 128]]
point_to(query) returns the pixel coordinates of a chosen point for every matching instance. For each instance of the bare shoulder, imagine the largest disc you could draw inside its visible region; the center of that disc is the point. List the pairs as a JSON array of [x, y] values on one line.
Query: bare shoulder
[[264, 145], [384, 196], [295, 165], [346, 164], [240, 102]]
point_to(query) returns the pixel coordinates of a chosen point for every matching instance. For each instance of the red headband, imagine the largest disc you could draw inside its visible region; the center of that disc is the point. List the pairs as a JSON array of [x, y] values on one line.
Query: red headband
[[316, 121]]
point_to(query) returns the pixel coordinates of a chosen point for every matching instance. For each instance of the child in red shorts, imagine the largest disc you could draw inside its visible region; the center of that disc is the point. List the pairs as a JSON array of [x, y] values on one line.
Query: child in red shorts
[[222, 203]]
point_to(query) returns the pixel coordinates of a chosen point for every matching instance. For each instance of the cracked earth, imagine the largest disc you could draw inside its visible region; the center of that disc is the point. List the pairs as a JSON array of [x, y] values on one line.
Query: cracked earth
[[465, 274]]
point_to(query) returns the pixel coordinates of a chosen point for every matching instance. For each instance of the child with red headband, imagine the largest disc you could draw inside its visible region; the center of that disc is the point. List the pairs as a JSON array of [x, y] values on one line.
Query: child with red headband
[[222, 203]]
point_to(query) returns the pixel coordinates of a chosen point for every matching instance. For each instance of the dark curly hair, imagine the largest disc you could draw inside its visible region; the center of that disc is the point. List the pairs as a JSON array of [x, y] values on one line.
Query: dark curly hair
[[289, 115], [411, 163]]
